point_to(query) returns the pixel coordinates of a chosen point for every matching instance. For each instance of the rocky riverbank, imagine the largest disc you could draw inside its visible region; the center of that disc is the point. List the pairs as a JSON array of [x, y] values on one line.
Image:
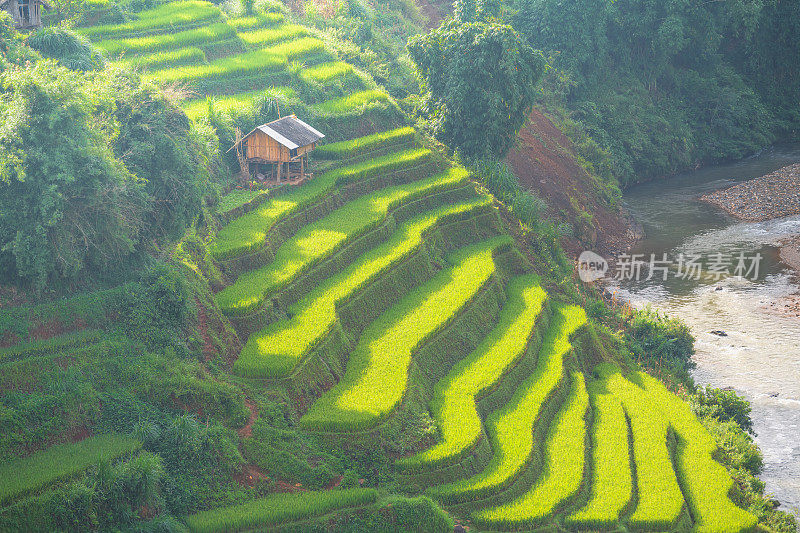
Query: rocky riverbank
[[775, 195]]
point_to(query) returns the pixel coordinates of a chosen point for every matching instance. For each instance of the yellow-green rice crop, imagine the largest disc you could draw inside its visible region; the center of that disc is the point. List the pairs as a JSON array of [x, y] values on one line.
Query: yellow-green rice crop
[[377, 372], [255, 21], [278, 509], [562, 472], [239, 102], [258, 60], [510, 429], [660, 501], [346, 104], [612, 482], [168, 41], [247, 233], [166, 15], [319, 239], [326, 71], [706, 483], [20, 476], [453, 405], [238, 198], [264, 36], [274, 351], [183, 56], [344, 149], [298, 48]]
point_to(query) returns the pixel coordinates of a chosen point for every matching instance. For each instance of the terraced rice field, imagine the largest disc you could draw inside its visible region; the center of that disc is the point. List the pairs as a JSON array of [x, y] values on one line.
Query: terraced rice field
[[378, 369], [22, 476], [524, 435]]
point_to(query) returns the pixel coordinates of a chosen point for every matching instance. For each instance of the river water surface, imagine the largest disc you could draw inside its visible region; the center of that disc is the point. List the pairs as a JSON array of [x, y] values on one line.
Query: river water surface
[[760, 356]]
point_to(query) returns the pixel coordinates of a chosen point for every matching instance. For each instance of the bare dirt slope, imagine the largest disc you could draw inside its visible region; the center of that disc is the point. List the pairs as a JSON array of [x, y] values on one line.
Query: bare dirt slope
[[544, 161]]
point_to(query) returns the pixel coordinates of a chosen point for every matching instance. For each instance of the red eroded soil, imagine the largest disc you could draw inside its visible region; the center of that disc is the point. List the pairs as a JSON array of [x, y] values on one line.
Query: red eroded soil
[[543, 159], [250, 475]]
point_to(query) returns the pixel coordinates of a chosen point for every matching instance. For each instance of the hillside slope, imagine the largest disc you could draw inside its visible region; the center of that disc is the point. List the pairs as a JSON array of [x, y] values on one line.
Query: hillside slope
[[366, 350]]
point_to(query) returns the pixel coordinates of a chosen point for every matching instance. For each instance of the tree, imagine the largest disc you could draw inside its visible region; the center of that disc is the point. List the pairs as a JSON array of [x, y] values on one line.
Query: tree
[[482, 80], [66, 202]]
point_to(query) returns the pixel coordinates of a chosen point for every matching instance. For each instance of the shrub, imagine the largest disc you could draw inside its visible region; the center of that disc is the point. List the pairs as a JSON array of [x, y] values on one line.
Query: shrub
[[562, 472], [454, 401], [278, 509], [318, 240], [723, 405], [21, 476], [71, 50], [275, 350], [510, 429], [377, 371], [660, 341]]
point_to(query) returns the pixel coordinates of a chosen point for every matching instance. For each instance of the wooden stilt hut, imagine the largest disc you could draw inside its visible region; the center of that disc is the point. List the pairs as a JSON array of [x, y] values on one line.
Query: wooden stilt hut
[[278, 149]]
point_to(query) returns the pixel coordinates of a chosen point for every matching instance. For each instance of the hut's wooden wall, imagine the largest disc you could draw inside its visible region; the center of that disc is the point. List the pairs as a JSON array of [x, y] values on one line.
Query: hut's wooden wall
[[262, 146]]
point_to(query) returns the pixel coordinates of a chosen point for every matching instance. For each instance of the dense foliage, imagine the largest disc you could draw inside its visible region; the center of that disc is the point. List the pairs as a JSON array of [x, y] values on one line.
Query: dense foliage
[[93, 167], [661, 86], [481, 78]]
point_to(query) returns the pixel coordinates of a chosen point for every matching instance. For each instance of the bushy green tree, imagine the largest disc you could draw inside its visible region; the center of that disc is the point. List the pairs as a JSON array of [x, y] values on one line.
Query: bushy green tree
[[66, 202], [482, 80]]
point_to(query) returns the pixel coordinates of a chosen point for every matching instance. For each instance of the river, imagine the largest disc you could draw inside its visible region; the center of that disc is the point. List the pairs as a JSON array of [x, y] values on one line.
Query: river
[[760, 356]]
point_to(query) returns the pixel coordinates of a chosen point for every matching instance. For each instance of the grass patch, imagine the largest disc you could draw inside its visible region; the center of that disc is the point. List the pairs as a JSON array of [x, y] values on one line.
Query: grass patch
[[278, 509], [706, 483], [453, 405], [351, 102], [164, 16], [320, 239], [160, 60], [274, 351], [255, 21], [234, 103], [257, 61], [510, 429], [247, 233], [345, 149], [377, 372], [168, 41], [660, 501], [612, 482], [54, 344], [562, 472], [265, 36], [326, 72], [22, 476], [298, 48]]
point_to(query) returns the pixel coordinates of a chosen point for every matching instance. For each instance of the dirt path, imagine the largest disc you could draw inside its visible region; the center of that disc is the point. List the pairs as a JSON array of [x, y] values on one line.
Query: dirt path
[[247, 430], [202, 319]]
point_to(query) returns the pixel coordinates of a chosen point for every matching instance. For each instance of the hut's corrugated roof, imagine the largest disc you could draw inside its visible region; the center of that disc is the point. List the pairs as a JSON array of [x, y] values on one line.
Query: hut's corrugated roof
[[291, 132]]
